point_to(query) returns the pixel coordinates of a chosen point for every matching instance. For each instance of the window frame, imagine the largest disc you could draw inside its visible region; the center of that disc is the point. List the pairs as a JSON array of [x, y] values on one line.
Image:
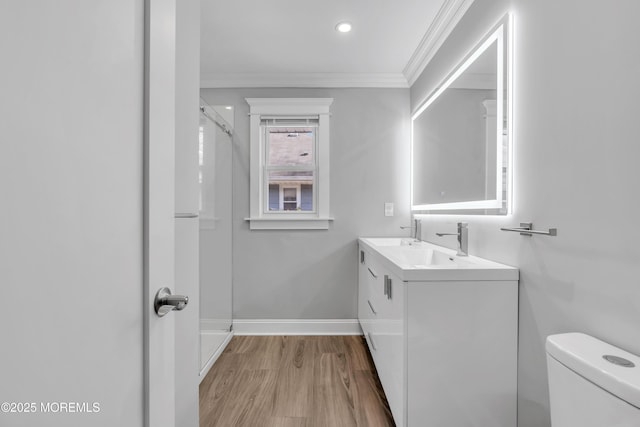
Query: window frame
[[288, 108], [267, 168]]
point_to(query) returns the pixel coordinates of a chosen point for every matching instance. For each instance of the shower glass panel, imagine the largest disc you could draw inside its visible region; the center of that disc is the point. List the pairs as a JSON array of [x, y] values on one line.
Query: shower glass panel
[[216, 149]]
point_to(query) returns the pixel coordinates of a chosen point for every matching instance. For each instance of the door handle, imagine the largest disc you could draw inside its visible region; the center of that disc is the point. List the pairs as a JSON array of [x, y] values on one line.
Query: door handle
[[166, 302]]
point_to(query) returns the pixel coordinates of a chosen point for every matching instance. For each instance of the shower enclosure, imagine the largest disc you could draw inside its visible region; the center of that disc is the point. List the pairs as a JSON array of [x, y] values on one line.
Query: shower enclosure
[[215, 154]]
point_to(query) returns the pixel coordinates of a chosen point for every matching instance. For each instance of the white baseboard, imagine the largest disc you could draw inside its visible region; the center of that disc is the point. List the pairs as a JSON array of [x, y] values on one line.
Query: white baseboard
[[205, 369], [296, 327], [214, 324]]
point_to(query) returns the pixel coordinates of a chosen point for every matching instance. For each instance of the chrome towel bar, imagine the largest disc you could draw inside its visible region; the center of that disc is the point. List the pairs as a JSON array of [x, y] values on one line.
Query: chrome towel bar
[[526, 229], [185, 215]]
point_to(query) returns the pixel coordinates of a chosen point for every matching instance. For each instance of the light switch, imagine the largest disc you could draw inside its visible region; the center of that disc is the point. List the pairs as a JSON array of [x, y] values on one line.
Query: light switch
[[388, 209]]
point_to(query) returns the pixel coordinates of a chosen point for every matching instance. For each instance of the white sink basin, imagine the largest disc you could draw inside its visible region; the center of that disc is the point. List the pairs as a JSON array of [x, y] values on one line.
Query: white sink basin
[[418, 256], [424, 261]]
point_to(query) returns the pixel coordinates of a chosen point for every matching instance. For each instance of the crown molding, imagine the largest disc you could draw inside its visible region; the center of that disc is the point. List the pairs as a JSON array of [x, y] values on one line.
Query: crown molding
[[445, 21], [300, 80]]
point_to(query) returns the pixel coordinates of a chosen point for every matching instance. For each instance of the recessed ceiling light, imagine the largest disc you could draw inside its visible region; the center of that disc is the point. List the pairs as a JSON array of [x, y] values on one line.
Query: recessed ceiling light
[[343, 27], [228, 107]]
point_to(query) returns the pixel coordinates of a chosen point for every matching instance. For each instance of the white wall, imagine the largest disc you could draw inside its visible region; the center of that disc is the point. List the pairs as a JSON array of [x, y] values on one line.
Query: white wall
[[576, 153], [313, 274]]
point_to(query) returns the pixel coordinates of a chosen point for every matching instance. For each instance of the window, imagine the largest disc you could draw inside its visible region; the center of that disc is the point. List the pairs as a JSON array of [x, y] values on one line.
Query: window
[[291, 167], [289, 163], [290, 199]]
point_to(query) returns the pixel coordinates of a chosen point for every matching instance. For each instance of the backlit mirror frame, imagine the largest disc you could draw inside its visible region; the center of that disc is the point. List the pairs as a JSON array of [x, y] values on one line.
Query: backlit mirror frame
[[502, 204]]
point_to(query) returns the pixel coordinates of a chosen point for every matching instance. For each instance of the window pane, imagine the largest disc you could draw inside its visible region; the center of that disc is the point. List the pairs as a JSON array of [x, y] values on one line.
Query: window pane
[[289, 198], [290, 146], [306, 197], [290, 191], [274, 197], [289, 194]]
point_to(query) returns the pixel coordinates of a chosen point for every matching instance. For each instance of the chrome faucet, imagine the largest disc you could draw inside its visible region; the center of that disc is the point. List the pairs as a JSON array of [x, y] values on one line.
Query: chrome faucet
[[463, 238], [417, 229]]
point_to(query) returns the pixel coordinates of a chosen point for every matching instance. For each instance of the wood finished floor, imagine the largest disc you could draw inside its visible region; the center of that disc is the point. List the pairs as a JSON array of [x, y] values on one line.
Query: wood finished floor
[[294, 381]]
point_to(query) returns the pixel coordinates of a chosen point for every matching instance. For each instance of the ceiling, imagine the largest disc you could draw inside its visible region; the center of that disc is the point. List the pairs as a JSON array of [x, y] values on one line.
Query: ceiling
[[279, 43]]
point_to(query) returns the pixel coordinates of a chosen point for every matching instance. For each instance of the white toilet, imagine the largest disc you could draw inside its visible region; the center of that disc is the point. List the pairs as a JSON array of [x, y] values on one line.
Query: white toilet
[[592, 383]]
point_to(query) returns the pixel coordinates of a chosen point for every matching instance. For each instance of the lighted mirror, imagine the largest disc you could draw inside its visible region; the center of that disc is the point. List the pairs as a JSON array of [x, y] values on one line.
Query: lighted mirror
[[461, 135]]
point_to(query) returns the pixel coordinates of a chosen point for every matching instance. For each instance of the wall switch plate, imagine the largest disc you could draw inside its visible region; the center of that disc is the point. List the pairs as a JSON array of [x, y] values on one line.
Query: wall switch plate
[[388, 209]]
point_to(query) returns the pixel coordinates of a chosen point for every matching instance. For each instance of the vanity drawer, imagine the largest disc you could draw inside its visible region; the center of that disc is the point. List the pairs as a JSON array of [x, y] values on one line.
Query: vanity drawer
[[365, 313], [387, 337], [371, 283], [383, 292]]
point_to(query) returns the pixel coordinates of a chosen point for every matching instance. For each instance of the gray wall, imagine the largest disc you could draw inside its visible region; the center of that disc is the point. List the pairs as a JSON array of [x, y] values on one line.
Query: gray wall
[[313, 274], [576, 168]]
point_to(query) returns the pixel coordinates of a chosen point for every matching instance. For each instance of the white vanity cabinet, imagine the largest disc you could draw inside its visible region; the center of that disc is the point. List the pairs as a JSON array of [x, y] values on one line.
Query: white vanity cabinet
[[445, 350], [381, 314]]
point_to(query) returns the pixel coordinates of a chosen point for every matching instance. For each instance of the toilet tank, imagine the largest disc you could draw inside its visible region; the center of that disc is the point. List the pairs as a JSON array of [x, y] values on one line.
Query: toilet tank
[[588, 390]]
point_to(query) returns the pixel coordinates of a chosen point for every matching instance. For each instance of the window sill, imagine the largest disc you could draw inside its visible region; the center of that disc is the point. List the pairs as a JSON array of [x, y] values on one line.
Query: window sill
[[289, 223]]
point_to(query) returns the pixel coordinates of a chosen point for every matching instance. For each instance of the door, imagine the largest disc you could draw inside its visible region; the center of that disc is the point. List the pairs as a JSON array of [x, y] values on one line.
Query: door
[[159, 197], [186, 209], [86, 240]]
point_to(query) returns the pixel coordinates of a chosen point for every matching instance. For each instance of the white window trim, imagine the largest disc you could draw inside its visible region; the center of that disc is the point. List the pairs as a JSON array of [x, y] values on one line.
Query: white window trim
[[258, 219], [312, 168]]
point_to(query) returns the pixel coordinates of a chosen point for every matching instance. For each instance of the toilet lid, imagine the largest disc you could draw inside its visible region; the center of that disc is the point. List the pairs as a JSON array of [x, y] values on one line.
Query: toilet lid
[[619, 373]]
